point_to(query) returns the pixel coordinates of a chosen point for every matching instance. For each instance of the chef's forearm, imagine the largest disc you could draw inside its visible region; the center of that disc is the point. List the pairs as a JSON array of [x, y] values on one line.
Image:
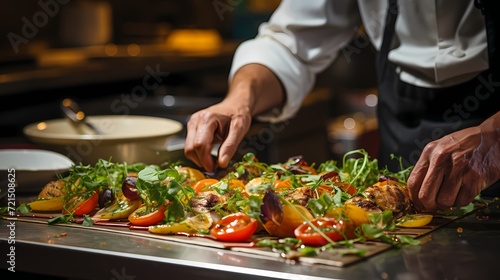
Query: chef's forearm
[[256, 88]]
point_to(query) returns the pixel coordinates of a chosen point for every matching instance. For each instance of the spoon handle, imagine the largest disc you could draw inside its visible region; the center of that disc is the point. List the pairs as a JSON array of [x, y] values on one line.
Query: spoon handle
[[72, 110]]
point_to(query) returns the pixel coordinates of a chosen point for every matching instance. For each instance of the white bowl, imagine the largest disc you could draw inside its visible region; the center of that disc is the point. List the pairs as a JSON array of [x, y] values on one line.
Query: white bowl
[[30, 169], [127, 138]]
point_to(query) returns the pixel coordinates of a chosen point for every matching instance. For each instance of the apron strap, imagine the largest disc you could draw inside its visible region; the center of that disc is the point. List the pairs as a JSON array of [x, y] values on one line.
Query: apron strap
[[492, 25], [390, 23]]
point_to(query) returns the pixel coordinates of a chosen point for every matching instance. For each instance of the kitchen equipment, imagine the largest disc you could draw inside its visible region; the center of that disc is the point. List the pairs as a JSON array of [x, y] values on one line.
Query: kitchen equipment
[[125, 138], [28, 170]]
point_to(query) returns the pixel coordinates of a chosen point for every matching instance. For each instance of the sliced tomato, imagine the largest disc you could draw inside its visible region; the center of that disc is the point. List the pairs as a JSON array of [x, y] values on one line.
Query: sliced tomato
[[140, 218], [203, 184], [81, 205], [236, 227], [332, 228]]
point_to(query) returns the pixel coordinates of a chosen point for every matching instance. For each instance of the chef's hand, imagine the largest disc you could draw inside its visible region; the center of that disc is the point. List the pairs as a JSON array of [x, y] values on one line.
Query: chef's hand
[[223, 122], [453, 170], [254, 89]]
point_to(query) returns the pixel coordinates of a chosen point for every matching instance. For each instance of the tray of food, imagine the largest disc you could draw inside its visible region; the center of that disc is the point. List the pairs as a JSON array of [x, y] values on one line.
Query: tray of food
[[331, 213]]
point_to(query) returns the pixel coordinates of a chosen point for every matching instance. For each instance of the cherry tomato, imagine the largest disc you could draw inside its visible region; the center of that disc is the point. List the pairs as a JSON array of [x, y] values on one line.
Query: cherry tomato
[[332, 228], [236, 227], [140, 218], [81, 205], [203, 184]]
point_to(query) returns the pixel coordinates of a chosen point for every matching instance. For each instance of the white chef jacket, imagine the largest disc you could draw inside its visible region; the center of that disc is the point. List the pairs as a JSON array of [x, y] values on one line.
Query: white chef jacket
[[440, 42]]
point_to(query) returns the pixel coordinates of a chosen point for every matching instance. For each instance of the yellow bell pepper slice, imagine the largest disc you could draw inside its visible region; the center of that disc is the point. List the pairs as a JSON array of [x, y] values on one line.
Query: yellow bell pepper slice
[[195, 224], [47, 204], [353, 213], [416, 220]]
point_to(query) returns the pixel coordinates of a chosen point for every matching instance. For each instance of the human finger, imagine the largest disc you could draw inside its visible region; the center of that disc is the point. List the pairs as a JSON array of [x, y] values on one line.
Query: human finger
[[430, 178], [189, 149], [200, 139], [416, 179], [238, 128], [452, 167], [430, 188]]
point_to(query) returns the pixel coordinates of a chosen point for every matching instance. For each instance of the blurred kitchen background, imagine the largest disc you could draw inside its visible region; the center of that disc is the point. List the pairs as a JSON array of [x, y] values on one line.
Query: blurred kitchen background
[[168, 58]]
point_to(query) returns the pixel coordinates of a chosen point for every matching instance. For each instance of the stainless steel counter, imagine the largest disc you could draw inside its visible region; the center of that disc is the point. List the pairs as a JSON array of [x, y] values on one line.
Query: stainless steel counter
[[468, 248]]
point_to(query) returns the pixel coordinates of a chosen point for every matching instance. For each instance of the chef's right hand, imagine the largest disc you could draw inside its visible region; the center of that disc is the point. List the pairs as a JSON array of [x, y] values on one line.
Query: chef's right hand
[[224, 123], [254, 89]]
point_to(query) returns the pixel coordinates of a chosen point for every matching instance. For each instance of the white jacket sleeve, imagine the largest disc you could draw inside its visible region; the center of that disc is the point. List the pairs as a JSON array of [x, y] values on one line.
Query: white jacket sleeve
[[300, 40]]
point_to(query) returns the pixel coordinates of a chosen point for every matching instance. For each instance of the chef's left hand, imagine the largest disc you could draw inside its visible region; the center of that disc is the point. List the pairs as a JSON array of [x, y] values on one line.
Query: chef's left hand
[[453, 170]]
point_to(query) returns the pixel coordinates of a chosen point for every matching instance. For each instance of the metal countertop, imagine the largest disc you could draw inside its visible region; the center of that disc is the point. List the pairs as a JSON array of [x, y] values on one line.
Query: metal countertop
[[467, 248]]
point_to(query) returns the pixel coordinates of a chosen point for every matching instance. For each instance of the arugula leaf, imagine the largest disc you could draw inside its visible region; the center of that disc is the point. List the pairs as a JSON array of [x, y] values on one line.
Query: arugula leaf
[[87, 221], [24, 208], [157, 187], [61, 219]]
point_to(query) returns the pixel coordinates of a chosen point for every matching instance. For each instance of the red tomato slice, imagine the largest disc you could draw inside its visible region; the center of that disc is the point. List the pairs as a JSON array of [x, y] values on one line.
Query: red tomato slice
[[80, 206], [329, 226], [139, 218], [203, 184], [348, 188], [236, 227]]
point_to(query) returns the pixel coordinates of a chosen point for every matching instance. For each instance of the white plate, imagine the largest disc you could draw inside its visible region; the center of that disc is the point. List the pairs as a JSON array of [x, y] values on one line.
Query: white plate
[[31, 168]]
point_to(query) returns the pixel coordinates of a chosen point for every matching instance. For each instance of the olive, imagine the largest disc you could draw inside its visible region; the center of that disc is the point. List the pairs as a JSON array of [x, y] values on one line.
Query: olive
[[129, 189], [105, 198]]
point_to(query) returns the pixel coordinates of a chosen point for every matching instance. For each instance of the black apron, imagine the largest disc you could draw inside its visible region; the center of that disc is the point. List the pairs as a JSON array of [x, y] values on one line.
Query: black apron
[[409, 116]]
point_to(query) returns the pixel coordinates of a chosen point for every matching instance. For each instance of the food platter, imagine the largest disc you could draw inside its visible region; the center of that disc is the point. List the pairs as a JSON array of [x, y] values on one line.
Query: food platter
[[339, 257], [302, 213]]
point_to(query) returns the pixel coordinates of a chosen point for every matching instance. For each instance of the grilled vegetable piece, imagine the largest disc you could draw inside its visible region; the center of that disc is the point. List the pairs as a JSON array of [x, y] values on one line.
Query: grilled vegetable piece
[[385, 195], [199, 223], [50, 197], [120, 208], [390, 195], [364, 203], [52, 189], [281, 220]]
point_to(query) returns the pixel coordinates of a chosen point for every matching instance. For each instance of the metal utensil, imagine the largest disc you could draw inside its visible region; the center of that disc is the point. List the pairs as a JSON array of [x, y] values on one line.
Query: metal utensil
[[73, 111]]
